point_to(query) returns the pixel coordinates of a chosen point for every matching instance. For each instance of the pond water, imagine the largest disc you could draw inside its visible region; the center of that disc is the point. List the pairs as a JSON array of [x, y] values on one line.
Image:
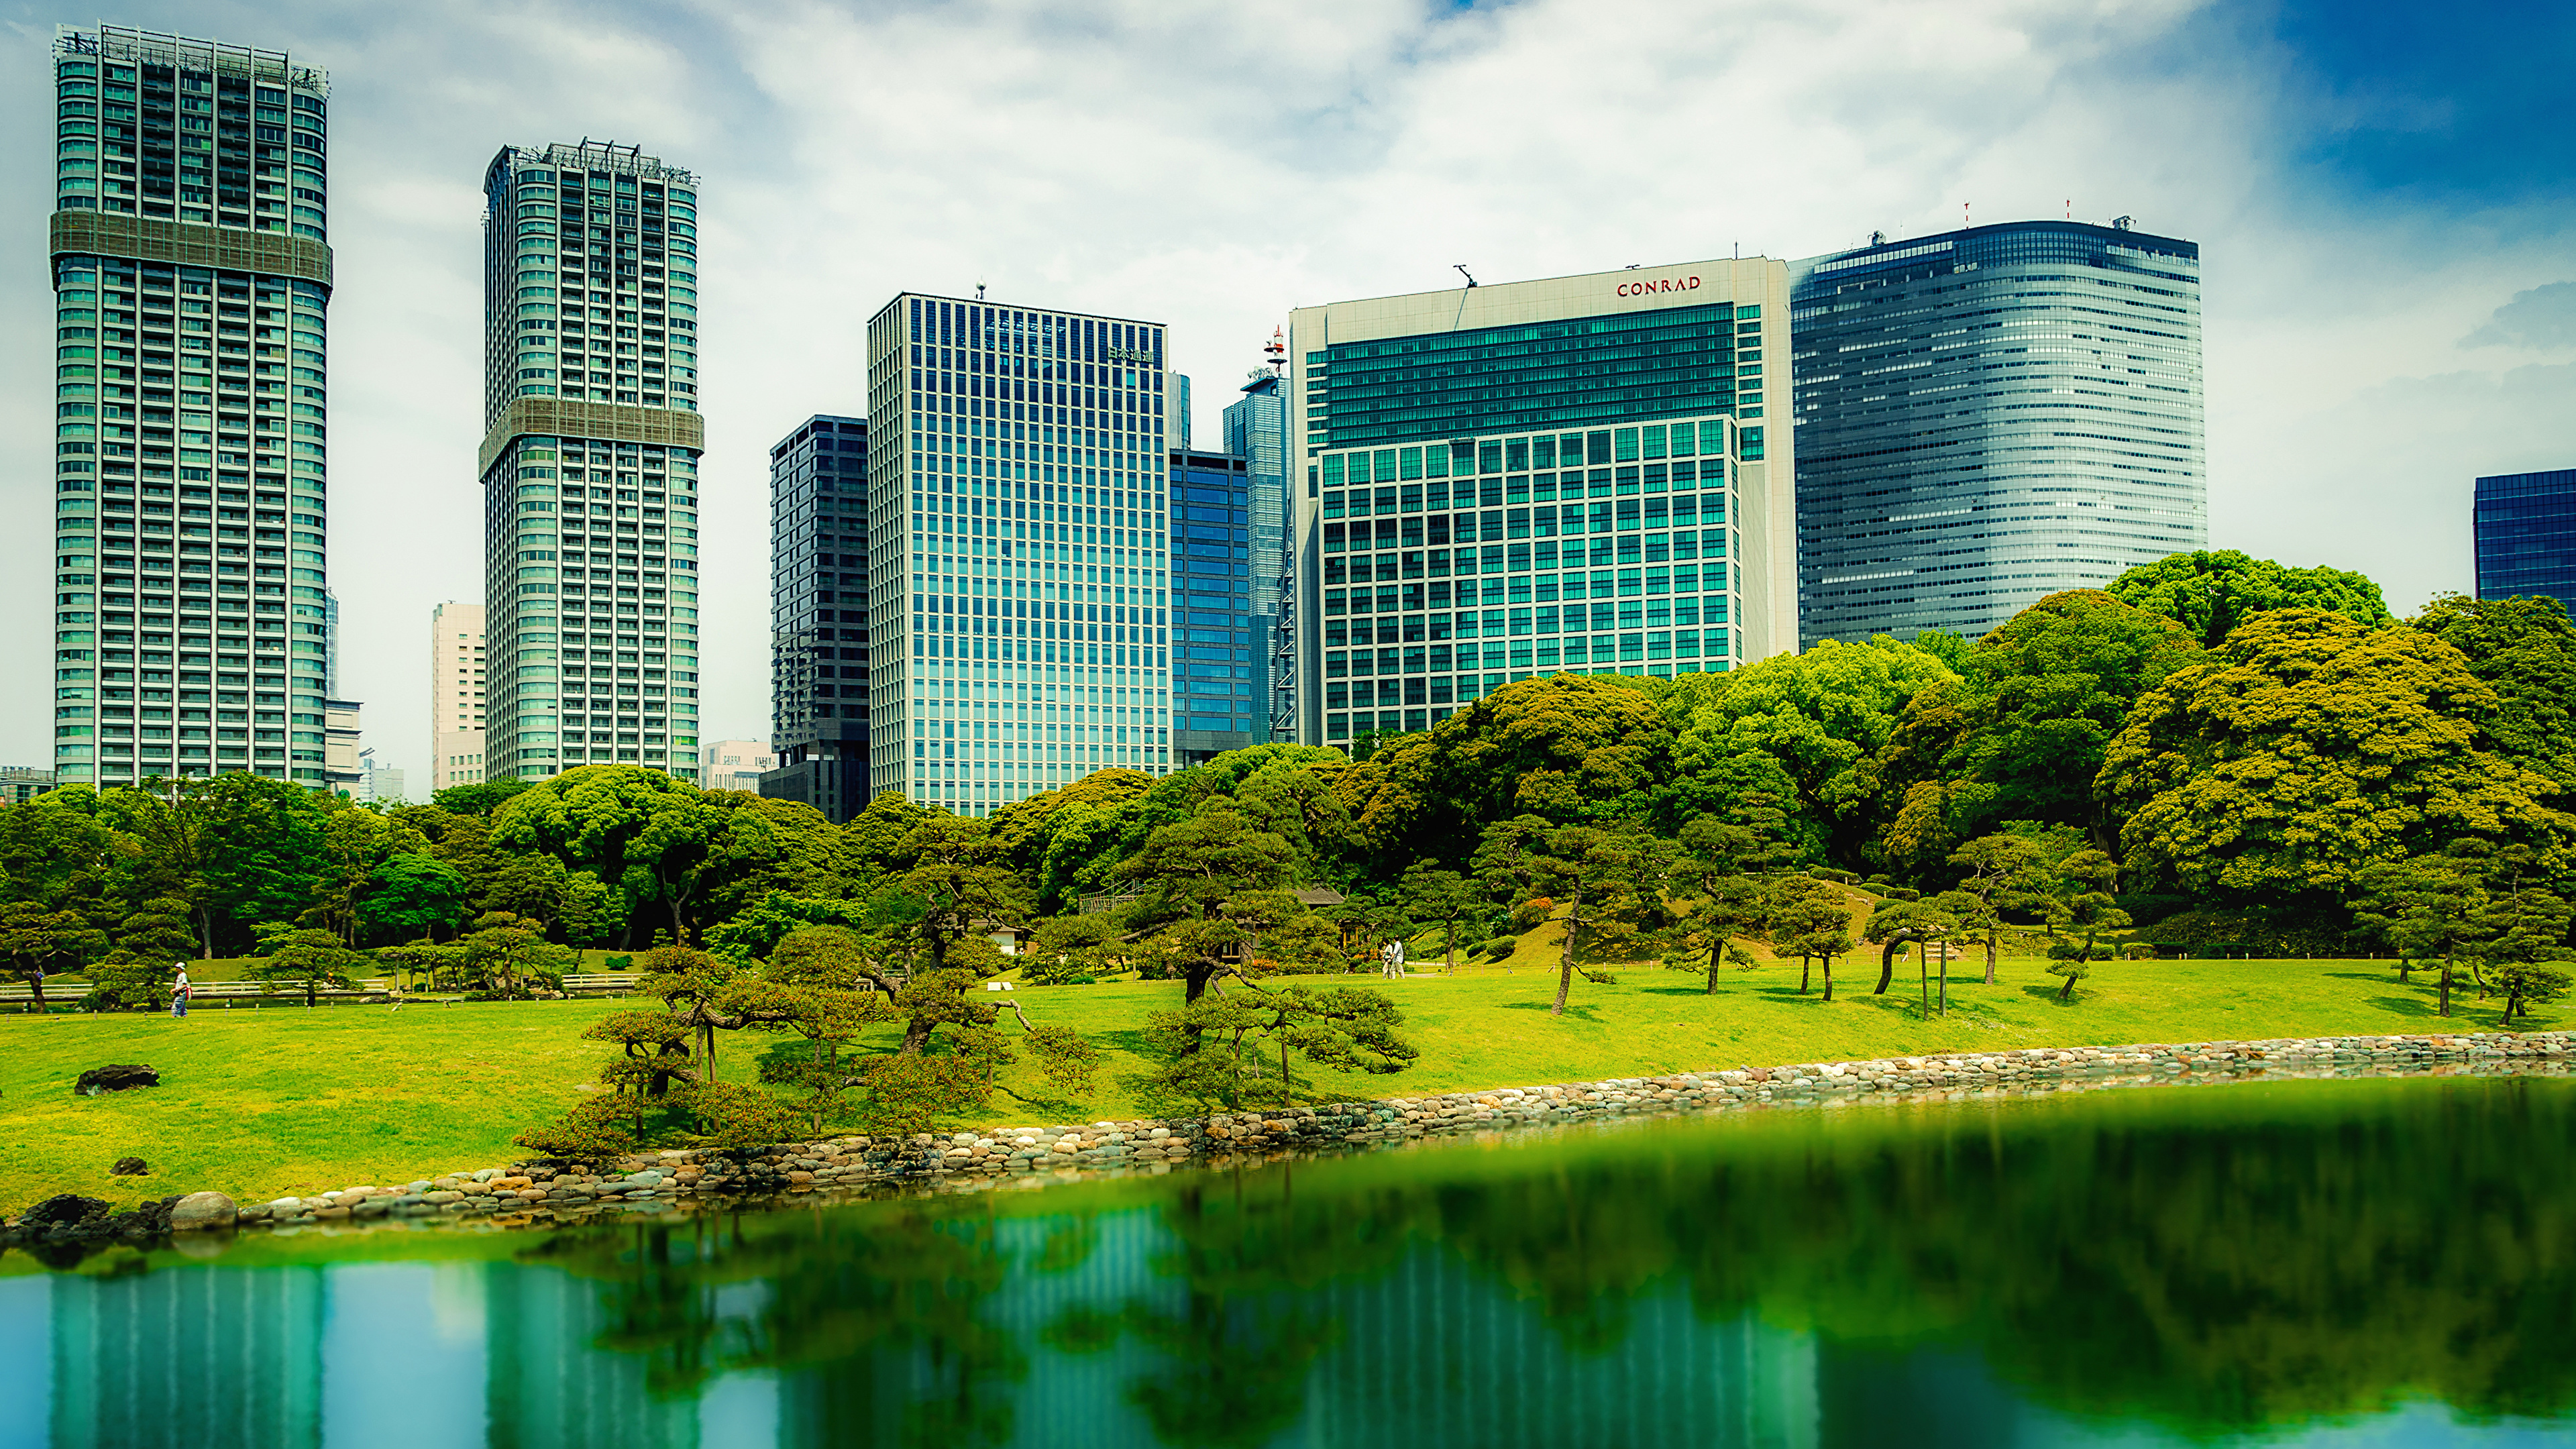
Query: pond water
[[2383, 1262]]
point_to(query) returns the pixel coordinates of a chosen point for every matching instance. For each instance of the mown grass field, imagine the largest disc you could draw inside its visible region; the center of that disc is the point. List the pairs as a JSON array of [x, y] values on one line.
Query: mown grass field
[[261, 1103]]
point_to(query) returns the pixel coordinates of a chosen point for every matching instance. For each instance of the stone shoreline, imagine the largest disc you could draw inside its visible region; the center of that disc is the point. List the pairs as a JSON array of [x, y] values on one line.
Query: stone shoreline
[[541, 1193]]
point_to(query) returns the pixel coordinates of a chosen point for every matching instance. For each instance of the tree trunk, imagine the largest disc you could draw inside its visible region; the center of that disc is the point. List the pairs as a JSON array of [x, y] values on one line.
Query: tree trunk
[[35, 993], [2067, 991], [2446, 984], [1887, 966], [1565, 964], [1449, 939], [1923, 971], [1829, 978], [1715, 953], [1945, 979], [1806, 972], [1990, 957]]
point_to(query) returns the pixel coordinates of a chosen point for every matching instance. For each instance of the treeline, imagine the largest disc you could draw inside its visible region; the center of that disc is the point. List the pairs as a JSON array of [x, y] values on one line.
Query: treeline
[[2215, 754]]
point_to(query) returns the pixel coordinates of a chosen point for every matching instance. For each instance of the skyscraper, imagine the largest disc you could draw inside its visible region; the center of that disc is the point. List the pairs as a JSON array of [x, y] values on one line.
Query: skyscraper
[[1256, 430], [1570, 474], [818, 616], [192, 280], [458, 690], [590, 459], [1217, 645], [2526, 535], [1989, 416], [1017, 577]]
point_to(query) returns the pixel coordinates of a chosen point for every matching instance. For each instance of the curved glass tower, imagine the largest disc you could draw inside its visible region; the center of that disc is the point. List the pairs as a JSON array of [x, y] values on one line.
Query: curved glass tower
[[1989, 416]]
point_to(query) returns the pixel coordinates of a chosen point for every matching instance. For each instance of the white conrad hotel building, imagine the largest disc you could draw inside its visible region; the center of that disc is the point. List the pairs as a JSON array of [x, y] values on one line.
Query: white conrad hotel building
[[1504, 481]]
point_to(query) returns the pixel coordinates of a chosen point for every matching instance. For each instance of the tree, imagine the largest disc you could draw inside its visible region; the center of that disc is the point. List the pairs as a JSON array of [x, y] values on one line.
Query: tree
[[308, 959], [37, 942], [2003, 872], [1604, 886], [2308, 747], [2041, 700], [2429, 906], [2084, 900], [2213, 594], [507, 957], [1441, 897], [412, 894], [1896, 924], [136, 974], [2074, 969], [2525, 929], [2524, 649], [480, 798], [1210, 884], [1217, 1050], [1809, 919]]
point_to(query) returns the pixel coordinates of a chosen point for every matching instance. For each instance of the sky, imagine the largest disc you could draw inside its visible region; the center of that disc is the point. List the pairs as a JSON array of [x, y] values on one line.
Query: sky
[[2383, 198]]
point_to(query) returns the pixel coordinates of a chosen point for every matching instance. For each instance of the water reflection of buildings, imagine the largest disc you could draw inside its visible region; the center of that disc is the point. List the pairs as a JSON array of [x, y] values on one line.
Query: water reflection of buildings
[[215, 1358], [1075, 1333]]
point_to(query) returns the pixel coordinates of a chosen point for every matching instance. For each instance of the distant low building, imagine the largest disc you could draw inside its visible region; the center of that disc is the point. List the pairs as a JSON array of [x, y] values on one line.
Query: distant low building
[[735, 765], [22, 783]]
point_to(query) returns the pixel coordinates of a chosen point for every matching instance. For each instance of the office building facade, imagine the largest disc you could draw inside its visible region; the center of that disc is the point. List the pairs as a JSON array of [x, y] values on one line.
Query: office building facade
[[1256, 430], [818, 616], [736, 765], [2525, 524], [1519, 479], [1018, 580], [458, 692], [1989, 416], [1218, 650], [191, 266], [590, 458]]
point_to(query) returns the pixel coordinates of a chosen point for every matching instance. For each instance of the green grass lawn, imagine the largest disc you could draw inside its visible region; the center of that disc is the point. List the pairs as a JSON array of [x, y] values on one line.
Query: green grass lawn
[[285, 1100]]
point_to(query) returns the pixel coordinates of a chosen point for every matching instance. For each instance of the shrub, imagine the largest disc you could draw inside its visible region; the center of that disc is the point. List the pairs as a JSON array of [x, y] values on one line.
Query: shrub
[[1501, 946]]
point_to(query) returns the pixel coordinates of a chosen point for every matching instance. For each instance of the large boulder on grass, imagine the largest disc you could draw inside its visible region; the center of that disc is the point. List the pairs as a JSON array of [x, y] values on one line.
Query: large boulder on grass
[[123, 1078], [202, 1211]]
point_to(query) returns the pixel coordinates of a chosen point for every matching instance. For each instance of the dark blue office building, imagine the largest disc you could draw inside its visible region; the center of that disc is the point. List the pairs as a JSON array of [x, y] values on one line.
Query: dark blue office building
[[1216, 639], [818, 622], [2526, 529]]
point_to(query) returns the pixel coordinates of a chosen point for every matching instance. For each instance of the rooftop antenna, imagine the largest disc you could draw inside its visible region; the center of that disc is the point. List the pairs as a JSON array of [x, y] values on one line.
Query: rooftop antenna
[[979, 291], [1275, 354], [1878, 238], [1461, 269], [1963, 215], [2070, 208]]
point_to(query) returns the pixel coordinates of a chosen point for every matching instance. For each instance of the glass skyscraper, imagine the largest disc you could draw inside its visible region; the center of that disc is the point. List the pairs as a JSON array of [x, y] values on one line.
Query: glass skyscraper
[[1989, 416], [1534, 477], [1256, 430], [818, 616], [192, 283], [590, 459], [1217, 643], [1018, 583], [2526, 535]]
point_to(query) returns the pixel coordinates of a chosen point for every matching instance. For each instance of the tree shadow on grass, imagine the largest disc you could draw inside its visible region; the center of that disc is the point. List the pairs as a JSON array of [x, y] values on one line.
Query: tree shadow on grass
[[2049, 994], [1572, 1008]]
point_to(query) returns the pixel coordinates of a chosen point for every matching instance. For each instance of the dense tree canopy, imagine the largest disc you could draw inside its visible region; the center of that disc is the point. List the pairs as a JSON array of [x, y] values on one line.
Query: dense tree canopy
[[2211, 594], [2220, 733]]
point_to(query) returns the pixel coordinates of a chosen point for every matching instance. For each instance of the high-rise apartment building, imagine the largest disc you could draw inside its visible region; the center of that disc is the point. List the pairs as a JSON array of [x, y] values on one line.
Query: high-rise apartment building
[[458, 690], [590, 459], [1017, 577], [1517, 479], [818, 616], [2526, 535], [1219, 655], [192, 280], [1989, 416], [1256, 430]]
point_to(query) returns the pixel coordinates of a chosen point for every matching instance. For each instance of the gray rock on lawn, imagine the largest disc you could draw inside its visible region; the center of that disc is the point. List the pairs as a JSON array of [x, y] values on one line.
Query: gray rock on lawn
[[129, 1167], [122, 1078], [201, 1211]]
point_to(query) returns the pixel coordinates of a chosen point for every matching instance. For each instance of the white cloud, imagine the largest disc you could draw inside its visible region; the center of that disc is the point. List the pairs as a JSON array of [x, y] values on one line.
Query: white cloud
[[1213, 165]]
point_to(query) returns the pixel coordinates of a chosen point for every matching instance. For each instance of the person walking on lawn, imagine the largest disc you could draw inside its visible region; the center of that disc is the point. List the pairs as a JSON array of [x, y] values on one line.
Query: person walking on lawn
[[179, 996]]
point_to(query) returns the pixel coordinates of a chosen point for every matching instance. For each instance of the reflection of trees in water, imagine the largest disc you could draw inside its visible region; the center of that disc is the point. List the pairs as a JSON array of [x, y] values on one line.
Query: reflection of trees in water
[[2214, 1260], [885, 1307]]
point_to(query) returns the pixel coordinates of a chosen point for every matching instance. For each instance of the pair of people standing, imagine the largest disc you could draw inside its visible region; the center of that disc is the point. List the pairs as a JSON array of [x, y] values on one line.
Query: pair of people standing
[[179, 992]]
